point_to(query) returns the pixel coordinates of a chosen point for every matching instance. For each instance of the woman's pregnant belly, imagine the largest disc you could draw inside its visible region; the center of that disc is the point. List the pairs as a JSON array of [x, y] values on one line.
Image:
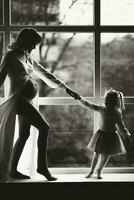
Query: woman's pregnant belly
[[30, 89]]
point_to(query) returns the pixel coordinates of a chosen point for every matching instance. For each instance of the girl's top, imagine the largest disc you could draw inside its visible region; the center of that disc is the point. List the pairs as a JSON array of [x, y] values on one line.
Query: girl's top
[[110, 119]]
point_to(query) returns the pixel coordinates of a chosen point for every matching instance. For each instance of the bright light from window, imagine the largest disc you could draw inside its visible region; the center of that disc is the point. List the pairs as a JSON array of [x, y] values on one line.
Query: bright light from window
[[76, 12], [117, 12]]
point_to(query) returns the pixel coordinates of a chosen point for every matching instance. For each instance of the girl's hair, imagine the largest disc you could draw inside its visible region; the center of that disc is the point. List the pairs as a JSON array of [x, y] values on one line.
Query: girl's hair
[[114, 99], [26, 38]]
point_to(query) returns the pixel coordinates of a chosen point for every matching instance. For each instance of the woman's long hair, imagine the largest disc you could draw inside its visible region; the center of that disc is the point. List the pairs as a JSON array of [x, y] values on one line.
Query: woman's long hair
[[26, 38]]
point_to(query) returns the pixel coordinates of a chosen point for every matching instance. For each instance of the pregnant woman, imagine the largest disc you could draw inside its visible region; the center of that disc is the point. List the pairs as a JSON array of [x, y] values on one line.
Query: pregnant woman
[[16, 64]]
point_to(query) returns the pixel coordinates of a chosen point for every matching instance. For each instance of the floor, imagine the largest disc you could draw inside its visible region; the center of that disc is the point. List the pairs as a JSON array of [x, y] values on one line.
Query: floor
[[80, 178], [72, 175], [72, 184]]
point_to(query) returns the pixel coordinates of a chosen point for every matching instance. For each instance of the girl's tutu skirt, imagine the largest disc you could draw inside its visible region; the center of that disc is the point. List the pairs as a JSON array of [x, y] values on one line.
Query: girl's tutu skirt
[[107, 143]]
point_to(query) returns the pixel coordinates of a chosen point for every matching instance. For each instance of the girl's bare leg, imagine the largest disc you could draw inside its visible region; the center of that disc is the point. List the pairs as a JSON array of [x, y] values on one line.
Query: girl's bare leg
[[93, 164], [103, 162]]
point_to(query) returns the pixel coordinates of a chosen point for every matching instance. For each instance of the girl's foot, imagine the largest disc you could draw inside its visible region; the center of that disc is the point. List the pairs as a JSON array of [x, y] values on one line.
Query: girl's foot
[[46, 173], [89, 174], [99, 174], [99, 177], [18, 175]]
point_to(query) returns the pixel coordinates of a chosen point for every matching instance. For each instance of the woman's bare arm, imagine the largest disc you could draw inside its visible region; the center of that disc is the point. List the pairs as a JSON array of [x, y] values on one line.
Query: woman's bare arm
[[50, 79]]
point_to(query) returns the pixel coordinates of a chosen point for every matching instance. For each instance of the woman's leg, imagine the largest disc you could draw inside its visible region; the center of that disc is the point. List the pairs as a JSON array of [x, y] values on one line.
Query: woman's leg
[[34, 118], [24, 132], [93, 164], [103, 162]]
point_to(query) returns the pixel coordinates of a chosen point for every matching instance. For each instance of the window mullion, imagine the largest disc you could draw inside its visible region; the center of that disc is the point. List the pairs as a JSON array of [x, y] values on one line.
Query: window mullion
[[97, 64], [97, 47], [97, 59], [97, 12], [7, 12], [7, 23]]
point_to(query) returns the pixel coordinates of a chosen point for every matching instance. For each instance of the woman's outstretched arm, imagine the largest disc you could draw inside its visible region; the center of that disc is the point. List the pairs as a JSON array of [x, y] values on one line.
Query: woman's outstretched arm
[[50, 79], [72, 93]]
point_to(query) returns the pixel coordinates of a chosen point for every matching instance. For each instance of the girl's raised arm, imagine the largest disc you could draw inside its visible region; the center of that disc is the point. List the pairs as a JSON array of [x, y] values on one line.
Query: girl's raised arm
[[88, 104]]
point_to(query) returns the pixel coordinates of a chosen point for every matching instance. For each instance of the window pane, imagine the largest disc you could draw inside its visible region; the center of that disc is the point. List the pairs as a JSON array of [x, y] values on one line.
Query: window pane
[[71, 58], [117, 12], [1, 54], [1, 12], [35, 12], [76, 12], [52, 12], [117, 62], [71, 130]]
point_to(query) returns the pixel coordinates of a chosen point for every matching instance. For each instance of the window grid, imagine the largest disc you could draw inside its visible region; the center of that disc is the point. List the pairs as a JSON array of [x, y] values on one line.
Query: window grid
[[96, 29]]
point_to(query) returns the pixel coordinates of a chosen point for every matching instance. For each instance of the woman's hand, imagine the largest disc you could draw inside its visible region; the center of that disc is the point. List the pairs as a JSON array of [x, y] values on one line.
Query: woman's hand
[[72, 93]]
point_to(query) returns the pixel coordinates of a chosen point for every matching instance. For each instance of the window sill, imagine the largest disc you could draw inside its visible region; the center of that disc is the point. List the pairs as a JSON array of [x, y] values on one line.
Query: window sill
[[81, 170]]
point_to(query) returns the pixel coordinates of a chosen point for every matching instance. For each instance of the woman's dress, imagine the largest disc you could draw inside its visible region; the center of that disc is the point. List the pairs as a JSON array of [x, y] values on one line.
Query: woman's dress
[[22, 86]]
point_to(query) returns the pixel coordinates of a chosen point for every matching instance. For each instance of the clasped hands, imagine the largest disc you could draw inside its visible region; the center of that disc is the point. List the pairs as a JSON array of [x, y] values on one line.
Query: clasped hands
[[73, 94]]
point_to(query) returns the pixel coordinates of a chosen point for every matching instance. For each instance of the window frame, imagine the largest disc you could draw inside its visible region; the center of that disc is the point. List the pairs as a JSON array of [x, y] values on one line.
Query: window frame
[[96, 29]]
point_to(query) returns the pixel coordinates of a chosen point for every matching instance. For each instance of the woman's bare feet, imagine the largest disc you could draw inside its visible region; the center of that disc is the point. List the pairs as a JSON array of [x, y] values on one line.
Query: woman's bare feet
[[90, 174], [18, 175], [46, 173]]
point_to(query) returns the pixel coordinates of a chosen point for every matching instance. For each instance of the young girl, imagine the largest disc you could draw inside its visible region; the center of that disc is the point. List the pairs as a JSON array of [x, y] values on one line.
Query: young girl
[[106, 141]]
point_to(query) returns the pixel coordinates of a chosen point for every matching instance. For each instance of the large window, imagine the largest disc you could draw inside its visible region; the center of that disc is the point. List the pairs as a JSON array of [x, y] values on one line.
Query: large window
[[83, 46]]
